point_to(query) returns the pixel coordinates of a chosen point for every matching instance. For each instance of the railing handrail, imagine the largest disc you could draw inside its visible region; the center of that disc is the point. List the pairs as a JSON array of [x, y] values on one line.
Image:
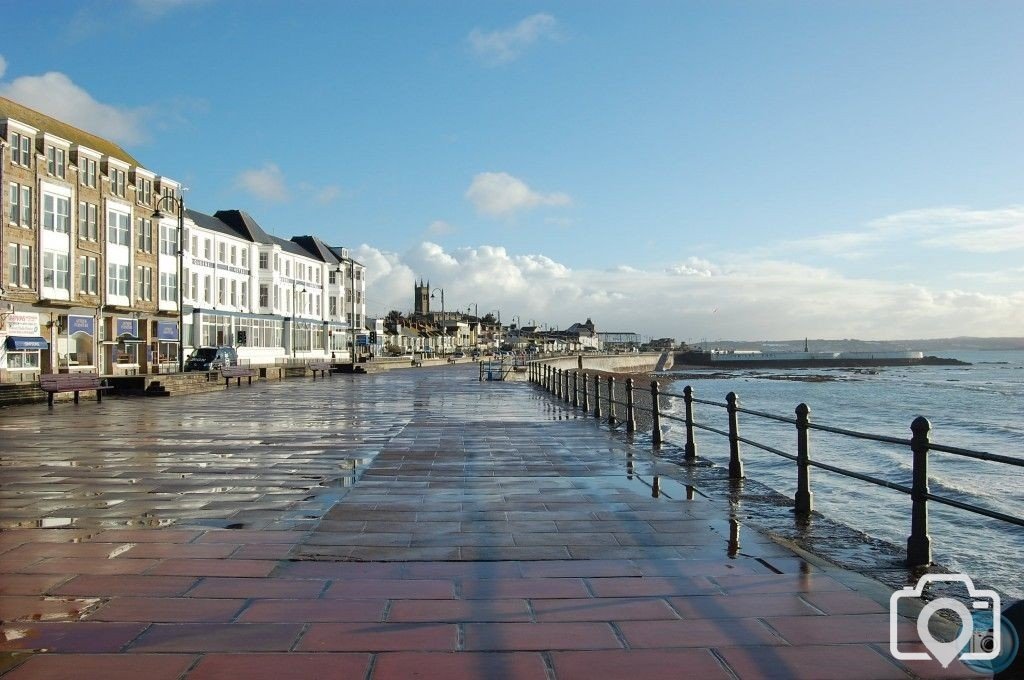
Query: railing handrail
[[919, 543]]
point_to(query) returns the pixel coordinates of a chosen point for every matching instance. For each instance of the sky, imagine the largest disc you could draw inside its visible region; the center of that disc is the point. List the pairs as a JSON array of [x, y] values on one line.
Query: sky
[[698, 170]]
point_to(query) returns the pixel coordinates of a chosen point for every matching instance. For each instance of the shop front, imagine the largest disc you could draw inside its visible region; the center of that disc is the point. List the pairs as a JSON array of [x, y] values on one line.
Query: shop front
[[20, 347], [121, 353], [76, 344], [163, 349]]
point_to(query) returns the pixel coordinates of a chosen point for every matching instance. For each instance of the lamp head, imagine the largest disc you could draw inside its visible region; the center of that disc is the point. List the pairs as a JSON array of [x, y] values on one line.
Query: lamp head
[[158, 214]]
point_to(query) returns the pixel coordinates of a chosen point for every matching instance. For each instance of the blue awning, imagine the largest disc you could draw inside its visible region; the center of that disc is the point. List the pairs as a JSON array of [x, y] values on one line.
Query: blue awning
[[26, 343]]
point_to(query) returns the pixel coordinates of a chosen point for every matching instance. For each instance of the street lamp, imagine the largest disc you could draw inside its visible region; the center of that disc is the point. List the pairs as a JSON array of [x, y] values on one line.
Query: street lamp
[[179, 205], [444, 326]]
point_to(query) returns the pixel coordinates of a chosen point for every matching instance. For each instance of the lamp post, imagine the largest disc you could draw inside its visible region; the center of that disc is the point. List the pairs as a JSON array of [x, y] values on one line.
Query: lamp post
[[179, 205], [444, 326]]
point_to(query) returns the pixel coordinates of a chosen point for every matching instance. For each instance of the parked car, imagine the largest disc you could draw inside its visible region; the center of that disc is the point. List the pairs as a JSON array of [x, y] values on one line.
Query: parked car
[[458, 355], [211, 359]]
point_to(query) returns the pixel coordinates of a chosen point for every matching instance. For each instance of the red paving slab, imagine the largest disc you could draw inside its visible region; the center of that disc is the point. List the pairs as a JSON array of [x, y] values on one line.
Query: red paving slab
[[102, 667], [539, 636], [217, 637], [661, 664], [275, 666], [501, 538], [461, 666]]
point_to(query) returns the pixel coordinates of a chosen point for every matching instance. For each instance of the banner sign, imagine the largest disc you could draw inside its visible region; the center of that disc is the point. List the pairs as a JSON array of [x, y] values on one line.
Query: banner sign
[[81, 324], [167, 330], [22, 323], [127, 327]]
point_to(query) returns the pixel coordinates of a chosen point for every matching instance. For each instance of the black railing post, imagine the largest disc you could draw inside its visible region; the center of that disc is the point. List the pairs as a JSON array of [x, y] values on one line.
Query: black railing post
[[576, 389], [735, 462], [630, 407], [586, 396], [804, 497], [558, 383], [597, 396], [691, 446], [565, 392], [551, 380], [611, 400], [919, 545], [655, 415]]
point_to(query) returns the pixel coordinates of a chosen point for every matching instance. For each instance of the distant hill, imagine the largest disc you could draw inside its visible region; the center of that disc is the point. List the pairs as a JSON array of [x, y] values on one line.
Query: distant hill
[[853, 345]]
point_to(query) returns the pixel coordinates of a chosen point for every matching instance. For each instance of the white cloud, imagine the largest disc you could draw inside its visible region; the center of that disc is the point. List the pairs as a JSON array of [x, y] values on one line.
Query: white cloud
[[744, 299], [3, 66], [440, 228], [499, 194], [327, 194], [266, 183], [506, 45], [56, 95]]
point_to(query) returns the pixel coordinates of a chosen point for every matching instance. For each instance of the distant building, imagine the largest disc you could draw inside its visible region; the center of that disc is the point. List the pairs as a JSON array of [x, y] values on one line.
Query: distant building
[[619, 340]]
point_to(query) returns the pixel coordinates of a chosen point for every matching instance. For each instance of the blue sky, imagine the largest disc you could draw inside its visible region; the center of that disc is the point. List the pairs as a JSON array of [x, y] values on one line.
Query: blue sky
[[695, 169]]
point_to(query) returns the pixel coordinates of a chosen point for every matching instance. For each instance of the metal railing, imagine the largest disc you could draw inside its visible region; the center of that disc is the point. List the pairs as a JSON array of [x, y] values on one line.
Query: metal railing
[[557, 382]]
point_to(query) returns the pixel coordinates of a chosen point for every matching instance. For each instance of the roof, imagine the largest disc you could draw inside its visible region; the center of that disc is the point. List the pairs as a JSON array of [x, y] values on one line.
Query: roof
[[337, 250], [317, 248], [215, 224], [45, 123], [243, 223]]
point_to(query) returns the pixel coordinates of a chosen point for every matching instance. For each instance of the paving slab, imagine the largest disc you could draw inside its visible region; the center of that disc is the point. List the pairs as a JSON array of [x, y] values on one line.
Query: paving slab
[[407, 524]]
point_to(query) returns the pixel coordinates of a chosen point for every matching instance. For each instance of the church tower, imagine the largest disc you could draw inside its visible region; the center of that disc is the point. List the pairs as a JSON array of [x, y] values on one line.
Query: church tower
[[421, 298]]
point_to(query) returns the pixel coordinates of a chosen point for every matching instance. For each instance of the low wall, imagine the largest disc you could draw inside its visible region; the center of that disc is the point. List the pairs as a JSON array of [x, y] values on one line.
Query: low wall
[[617, 363]]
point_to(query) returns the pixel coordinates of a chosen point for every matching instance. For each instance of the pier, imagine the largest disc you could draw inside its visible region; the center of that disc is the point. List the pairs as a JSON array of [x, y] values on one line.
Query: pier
[[405, 524]]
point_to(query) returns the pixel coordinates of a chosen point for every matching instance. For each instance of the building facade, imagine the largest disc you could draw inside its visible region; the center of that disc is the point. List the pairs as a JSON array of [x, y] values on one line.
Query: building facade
[[92, 276]]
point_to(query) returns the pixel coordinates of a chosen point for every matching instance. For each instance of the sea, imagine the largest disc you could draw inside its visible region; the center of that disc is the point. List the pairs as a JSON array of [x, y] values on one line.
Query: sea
[[979, 406]]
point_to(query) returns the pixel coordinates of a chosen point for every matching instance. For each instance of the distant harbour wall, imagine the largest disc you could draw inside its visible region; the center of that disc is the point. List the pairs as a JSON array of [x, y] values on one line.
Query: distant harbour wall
[[614, 363]]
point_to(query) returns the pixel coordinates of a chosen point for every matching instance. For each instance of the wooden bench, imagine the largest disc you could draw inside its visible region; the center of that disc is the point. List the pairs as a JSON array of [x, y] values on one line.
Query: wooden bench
[[237, 372], [322, 366], [51, 383]]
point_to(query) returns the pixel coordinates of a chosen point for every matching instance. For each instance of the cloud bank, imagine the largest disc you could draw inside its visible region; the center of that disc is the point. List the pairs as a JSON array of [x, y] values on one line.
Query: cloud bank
[[499, 194], [508, 44]]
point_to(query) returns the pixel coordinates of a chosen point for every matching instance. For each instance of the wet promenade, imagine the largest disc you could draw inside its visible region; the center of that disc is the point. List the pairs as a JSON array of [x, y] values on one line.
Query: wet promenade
[[408, 524]]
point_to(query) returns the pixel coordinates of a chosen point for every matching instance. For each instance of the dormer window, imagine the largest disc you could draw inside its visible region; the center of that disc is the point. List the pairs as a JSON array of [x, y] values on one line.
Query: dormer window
[[118, 179], [56, 161], [86, 172], [143, 190], [21, 149]]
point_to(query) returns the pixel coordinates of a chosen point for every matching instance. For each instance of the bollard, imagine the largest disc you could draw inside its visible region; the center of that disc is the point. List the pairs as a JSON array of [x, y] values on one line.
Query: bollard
[[576, 389], [611, 400], [586, 396], [655, 415], [691, 446], [630, 407], [804, 497], [919, 545], [735, 463], [597, 396], [655, 487]]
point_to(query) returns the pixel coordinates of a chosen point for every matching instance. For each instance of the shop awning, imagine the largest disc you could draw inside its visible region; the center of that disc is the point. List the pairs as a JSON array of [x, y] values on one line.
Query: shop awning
[[14, 342], [129, 340]]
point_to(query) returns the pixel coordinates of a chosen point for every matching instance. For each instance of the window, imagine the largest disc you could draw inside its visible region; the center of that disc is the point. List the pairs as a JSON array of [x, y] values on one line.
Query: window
[[332, 277], [359, 298], [144, 234], [195, 245], [245, 257], [143, 190], [21, 149], [264, 296], [318, 305], [23, 361], [19, 258], [55, 161], [55, 271], [220, 291], [222, 252], [277, 263], [207, 289], [117, 181], [318, 276], [118, 229], [234, 293], [117, 279], [86, 172], [144, 283], [277, 297], [56, 214], [288, 268], [88, 275], [208, 249], [88, 217], [168, 240], [332, 305], [172, 192], [244, 295], [168, 287], [195, 287], [264, 260], [359, 275], [21, 205]]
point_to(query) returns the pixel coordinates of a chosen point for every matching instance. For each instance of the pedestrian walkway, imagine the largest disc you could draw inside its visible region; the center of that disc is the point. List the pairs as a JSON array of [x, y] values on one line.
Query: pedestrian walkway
[[408, 524]]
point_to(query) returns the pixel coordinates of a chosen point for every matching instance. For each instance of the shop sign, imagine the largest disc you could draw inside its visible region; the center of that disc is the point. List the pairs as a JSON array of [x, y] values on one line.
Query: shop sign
[[127, 327], [81, 324], [167, 330], [22, 324]]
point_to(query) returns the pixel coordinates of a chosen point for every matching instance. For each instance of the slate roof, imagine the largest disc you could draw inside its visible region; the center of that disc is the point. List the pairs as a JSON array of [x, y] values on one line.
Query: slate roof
[[243, 223], [45, 123], [215, 224]]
